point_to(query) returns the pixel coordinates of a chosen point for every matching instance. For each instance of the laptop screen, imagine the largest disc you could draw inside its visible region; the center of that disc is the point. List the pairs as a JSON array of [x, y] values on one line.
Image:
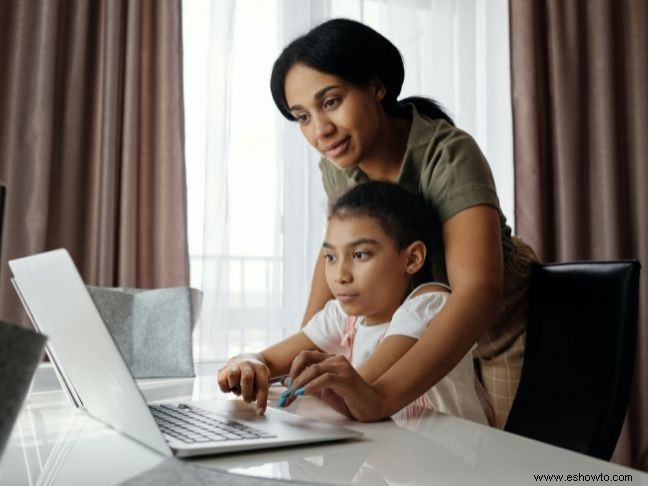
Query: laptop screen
[[61, 307]]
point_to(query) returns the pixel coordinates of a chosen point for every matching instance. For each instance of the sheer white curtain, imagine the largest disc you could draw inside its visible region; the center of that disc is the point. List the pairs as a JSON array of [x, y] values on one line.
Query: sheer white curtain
[[256, 205]]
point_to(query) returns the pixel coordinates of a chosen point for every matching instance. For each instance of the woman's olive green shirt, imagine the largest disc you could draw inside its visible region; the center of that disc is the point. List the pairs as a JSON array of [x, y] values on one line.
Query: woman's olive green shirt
[[444, 166]]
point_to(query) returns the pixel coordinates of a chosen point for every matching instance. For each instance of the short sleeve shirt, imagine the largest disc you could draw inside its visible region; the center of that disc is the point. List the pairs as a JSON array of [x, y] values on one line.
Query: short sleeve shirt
[[327, 327], [444, 166]]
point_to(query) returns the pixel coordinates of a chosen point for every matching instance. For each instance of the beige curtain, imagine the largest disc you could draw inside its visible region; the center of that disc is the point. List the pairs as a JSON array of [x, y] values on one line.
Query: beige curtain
[[91, 139], [580, 110]]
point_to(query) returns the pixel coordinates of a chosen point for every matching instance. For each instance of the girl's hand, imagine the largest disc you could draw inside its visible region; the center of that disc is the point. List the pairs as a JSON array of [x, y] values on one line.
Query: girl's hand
[[246, 375], [333, 380]]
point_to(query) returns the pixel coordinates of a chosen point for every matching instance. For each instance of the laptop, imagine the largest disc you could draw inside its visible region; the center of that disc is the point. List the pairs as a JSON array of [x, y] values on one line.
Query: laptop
[[97, 377]]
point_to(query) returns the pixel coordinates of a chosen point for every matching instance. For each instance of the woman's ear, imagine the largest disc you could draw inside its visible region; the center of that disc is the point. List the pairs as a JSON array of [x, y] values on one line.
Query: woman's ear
[[378, 89], [416, 253]]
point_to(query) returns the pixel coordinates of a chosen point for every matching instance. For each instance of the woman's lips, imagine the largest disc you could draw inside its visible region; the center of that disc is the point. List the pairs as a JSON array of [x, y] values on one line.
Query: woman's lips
[[335, 150]]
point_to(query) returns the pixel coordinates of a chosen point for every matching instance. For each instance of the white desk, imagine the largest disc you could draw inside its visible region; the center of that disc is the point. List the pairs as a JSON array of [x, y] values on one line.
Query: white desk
[[55, 444]]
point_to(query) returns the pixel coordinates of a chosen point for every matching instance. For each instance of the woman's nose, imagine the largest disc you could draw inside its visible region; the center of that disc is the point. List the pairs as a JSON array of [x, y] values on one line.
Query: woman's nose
[[323, 126]]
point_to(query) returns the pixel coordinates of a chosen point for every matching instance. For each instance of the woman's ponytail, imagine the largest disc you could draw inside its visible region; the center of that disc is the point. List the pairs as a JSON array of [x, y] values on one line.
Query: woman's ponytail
[[428, 107]]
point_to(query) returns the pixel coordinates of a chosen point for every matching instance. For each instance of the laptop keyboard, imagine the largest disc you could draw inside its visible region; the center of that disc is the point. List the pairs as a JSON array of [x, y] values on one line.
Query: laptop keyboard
[[195, 425]]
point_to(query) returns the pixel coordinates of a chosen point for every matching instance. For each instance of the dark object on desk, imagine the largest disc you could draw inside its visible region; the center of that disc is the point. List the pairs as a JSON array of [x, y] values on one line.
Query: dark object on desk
[[579, 357], [152, 328], [20, 352], [172, 472]]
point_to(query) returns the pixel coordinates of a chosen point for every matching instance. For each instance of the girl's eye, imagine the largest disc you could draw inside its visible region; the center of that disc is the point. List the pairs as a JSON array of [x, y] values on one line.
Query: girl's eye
[[328, 257], [361, 255], [331, 103], [301, 118]]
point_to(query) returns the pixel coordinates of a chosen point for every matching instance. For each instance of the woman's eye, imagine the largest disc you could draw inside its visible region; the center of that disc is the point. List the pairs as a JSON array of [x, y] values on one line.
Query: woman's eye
[[328, 257], [360, 255], [331, 103], [301, 118]]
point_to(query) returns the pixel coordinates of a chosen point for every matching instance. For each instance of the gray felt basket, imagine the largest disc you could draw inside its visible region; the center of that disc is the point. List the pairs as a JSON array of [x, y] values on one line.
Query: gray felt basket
[[152, 328]]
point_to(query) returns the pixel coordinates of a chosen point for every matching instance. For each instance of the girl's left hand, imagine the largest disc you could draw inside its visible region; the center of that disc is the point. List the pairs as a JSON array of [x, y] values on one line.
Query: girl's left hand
[[332, 379]]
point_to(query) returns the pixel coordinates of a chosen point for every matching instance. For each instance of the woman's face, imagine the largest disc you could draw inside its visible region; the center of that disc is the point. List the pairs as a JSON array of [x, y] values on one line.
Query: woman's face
[[341, 120]]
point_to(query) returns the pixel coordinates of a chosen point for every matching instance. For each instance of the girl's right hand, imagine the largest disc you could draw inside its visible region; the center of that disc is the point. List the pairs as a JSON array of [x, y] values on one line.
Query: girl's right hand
[[248, 376]]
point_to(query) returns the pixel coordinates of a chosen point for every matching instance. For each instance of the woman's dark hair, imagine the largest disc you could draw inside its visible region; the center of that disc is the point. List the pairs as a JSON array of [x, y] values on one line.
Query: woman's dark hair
[[401, 214], [357, 53]]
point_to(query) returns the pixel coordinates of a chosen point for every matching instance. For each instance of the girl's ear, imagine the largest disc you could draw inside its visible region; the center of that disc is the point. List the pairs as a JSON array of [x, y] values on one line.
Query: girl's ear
[[415, 257]]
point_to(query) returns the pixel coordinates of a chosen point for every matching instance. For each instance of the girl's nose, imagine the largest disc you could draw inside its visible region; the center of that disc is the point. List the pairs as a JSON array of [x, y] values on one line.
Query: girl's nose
[[343, 275]]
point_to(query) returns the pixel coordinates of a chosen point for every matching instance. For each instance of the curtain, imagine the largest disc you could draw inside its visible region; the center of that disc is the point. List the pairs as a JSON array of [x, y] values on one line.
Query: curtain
[[234, 172], [91, 140], [580, 109], [256, 202]]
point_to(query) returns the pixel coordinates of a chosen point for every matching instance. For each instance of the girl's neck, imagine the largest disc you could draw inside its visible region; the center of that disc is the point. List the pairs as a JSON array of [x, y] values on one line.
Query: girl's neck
[[386, 317], [385, 160]]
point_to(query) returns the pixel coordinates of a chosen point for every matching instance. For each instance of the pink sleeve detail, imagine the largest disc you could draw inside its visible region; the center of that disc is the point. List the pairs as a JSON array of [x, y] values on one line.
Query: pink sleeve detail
[[347, 337]]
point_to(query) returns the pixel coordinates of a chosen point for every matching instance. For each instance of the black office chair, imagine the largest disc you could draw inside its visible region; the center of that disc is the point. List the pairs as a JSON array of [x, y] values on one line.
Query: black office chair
[[579, 357]]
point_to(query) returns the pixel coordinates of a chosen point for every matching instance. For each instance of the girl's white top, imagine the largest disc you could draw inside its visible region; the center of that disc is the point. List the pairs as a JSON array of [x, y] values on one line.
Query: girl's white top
[[456, 394]]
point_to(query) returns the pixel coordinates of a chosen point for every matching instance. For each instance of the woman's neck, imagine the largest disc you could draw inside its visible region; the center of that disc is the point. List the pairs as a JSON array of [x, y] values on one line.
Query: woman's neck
[[385, 160]]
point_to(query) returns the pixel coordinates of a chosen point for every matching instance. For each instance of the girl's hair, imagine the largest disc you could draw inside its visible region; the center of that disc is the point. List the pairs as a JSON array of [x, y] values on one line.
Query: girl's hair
[[356, 53], [401, 214]]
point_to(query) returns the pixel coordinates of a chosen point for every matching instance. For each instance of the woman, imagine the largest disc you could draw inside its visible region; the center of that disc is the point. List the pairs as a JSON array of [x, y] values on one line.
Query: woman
[[340, 82]]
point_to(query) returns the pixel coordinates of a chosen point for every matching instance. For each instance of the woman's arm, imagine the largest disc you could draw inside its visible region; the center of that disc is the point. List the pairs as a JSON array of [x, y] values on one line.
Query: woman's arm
[[394, 346], [474, 262], [385, 355], [320, 293]]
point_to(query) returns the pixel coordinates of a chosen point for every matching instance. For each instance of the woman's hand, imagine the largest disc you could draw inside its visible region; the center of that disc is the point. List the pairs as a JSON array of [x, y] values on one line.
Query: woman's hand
[[246, 375], [333, 380]]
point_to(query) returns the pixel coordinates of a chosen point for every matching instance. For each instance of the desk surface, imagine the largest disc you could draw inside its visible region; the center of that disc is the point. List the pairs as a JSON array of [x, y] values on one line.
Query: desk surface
[[55, 444]]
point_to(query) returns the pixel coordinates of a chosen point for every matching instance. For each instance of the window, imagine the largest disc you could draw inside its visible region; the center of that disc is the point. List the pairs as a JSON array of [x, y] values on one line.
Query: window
[[256, 205]]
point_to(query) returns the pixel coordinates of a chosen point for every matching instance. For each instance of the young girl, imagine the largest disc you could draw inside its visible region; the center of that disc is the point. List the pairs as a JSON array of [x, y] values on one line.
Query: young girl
[[377, 267]]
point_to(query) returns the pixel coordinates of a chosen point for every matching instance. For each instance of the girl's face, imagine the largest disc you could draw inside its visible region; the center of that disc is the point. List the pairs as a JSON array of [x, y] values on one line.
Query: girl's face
[[341, 120], [365, 270]]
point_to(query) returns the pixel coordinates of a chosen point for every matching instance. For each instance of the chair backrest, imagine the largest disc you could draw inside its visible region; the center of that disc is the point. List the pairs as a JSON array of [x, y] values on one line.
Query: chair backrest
[[579, 357]]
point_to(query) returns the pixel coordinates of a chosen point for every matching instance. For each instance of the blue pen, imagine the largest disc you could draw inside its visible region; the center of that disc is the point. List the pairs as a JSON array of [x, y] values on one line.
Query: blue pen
[[283, 398]]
